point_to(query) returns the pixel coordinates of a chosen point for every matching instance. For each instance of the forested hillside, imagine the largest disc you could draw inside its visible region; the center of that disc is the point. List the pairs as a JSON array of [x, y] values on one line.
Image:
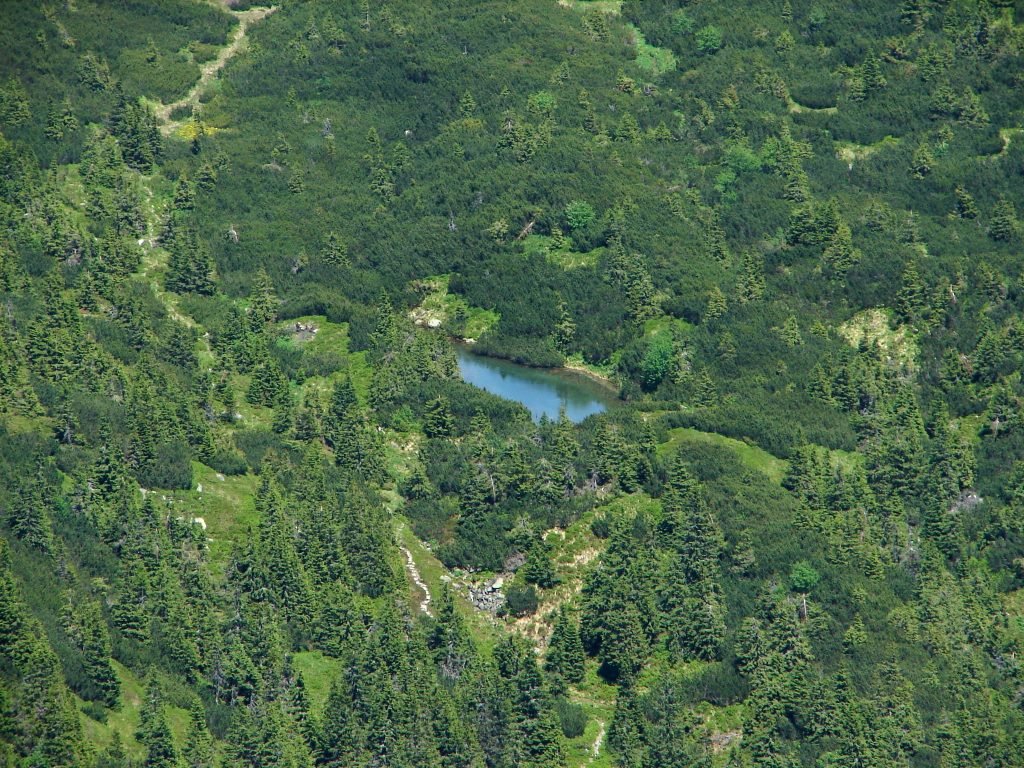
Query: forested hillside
[[251, 516]]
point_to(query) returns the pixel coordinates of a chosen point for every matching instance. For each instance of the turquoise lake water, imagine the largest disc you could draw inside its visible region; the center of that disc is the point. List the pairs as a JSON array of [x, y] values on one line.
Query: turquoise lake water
[[543, 391]]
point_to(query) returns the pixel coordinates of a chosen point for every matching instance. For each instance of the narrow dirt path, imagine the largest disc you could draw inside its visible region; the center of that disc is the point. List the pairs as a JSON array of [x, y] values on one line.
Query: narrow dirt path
[[597, 742], [414, 574], [211, 68]]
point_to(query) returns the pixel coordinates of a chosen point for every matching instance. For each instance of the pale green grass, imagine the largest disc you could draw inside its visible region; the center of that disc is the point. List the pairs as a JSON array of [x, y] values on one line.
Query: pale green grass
[[227, 507], [1007, 135], [318, 672], [17, 424], [874, 326], [796, 108], [665, 323], [438, 306], [846, 459], [750, 455], [333, 338], [849, 152], [485, 629], [651, 59], [597, 698], [564, 256], [613, 7], [1014, 604], [125, 720]]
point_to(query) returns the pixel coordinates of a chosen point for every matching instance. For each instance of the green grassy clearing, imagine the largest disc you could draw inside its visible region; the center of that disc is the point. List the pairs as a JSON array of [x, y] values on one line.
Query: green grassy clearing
[[543, 246], [125, 720], [613, 7], [318, 672], [227, 506], [750, 455], [874, 326], [651, 59], [440, 308], [484, 628]]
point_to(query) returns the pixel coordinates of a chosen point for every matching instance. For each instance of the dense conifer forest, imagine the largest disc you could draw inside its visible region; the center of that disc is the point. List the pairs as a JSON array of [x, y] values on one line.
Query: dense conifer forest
[[252, 517]]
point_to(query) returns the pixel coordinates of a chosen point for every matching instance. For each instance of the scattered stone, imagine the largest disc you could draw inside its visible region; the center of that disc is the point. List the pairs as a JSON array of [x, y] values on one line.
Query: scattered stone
[[486, 598], [305, 331], [967, 501], [514, 562], [722, 740], [200, 522]]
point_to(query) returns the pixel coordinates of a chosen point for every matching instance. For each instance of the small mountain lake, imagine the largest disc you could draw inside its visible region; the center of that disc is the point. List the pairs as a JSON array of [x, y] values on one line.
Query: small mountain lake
[[544, 391]]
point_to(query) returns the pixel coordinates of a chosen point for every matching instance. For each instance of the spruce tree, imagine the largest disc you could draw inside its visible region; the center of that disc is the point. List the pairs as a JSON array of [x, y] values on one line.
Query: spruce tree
[[262, 302], [337, 622], [691, 604], [438, 420], [965, 205], [717, 305], [199, 750], [278, 558], [450, 641], [94, 641], [1003, 226], [839, 255], [335, 251], [922, 162], [626, 732], [911, 300], [48, 725], [154, 733], [190, 267], [538, 568], [29, 517], [565, 656], [534, 740], [751, 284], [114, 756], [565, 328]]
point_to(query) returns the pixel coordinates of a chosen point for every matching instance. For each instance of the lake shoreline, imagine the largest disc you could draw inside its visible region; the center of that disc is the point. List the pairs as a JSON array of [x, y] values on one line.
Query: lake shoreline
[[576, 369], [583, 370], [546, 392]]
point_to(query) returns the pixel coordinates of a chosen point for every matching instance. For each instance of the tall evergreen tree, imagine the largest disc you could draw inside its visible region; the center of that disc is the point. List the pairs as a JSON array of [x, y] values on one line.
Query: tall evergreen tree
[[1003, 226], [565, 657], [154, 733], [28, 516], [199, 749]]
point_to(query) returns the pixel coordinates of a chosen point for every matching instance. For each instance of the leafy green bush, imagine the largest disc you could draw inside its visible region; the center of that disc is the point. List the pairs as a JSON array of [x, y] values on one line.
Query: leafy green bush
[[228, 462], [521, 599], [571, 717], [600, 526], [708, 39], [803, 577], [255, 443], [578, 214], [171, 469]]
